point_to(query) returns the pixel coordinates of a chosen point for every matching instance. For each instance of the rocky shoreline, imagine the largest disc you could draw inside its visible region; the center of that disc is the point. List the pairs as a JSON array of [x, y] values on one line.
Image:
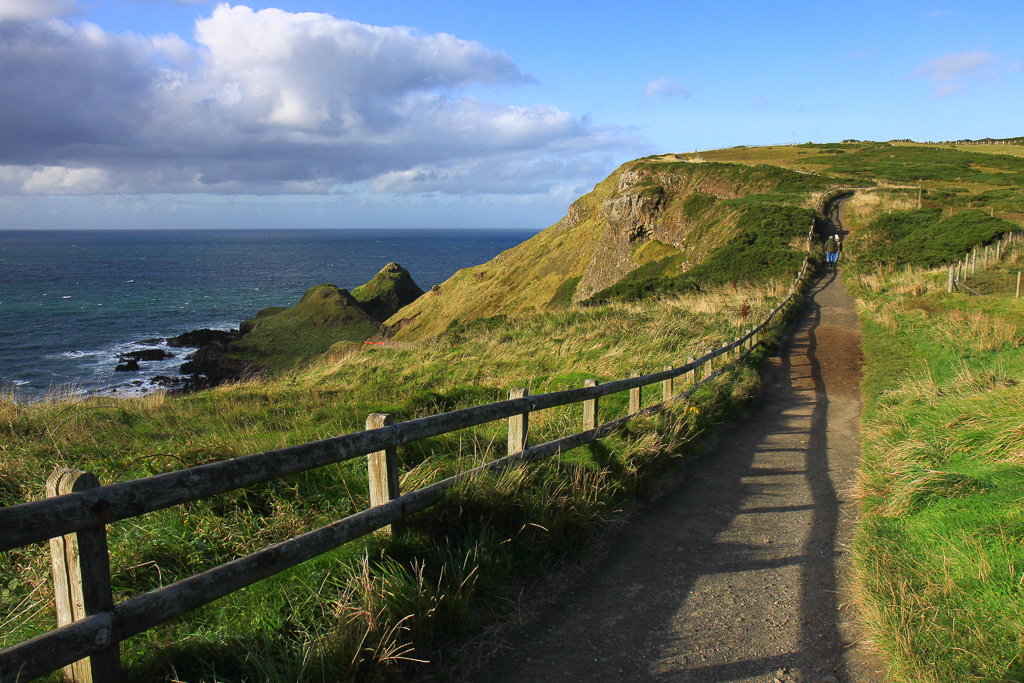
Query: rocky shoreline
[[204, 368], [325, 315]]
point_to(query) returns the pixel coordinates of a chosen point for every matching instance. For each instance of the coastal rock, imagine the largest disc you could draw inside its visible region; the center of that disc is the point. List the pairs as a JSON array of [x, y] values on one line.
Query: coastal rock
[[145, 355], [128, 366], [210, 366], [199, 338]]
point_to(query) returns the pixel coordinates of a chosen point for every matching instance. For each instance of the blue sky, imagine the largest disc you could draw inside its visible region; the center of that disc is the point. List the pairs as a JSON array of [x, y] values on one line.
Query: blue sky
[[321, 113]]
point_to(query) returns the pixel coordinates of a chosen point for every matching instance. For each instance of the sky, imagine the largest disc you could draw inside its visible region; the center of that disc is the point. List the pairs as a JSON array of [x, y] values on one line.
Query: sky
[[416, 114]]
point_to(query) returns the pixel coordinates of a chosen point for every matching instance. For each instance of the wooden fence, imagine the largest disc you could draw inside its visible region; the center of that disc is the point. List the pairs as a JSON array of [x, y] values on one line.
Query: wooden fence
[[961, 272], [74, 516]]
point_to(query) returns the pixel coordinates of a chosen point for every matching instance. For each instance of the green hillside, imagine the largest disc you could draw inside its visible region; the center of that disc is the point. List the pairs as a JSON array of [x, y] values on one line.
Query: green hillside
[[388, 291], [278, 338]]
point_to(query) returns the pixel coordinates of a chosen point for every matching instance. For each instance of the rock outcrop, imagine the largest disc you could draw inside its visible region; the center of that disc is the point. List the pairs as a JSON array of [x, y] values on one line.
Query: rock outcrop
[[390, 290], [203, 337]]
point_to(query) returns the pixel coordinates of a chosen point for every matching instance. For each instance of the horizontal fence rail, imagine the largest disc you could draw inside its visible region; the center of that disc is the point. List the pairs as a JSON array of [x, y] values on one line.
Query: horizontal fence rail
[[93, 637]]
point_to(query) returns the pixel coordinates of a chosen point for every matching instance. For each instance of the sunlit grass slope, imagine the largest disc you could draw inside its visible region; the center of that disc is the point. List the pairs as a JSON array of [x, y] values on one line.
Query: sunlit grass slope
[[939, 551], [324, 315]]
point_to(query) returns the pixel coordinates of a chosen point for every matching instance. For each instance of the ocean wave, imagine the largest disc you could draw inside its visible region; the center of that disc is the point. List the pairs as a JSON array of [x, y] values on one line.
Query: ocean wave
[[74, 354]]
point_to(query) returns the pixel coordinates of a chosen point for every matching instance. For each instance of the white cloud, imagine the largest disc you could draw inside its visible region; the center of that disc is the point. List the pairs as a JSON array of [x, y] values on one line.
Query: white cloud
[[273, 102], [21, 10], [662, 88], [951, 74]]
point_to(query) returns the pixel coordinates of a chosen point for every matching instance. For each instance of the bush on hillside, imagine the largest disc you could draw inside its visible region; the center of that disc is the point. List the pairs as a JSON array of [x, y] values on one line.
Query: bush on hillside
[[761, 251], [923, 238], [697, 203]]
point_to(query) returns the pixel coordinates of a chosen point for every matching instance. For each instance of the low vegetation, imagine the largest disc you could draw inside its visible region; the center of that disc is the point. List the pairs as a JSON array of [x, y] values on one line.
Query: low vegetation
[[939, 549], [772, 241], [279, 338], [923, 238]]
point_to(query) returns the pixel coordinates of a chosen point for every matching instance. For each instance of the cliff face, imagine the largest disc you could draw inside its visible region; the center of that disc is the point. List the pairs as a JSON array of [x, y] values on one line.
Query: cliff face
[[597, 243]]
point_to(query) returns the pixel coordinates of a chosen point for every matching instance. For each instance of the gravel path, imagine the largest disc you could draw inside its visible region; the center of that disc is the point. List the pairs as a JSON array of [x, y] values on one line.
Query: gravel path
[[741, 571]]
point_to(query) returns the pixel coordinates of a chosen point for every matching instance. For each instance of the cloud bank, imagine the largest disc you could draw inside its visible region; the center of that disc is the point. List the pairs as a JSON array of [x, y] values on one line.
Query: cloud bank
[[269, 102]]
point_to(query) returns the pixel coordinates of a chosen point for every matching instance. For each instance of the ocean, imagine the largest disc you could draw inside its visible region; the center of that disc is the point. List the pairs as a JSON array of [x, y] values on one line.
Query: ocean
[[71, 301]]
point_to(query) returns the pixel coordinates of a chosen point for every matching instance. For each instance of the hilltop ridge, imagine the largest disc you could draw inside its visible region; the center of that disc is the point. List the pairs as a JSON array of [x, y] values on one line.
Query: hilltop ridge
[[666, 213]]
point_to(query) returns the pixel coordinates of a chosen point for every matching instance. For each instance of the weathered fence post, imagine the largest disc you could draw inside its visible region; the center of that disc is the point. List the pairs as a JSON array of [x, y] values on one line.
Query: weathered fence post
[[691, 376], [635, 403], [666, 387], [949, 281], [383, 470], [986, 257], [590, 408], [518, 425], [1018, 284], [974, 261], [81, 580]]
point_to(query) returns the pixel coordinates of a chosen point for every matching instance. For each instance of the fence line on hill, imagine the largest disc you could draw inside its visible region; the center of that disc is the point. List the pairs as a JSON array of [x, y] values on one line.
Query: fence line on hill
[[74, 515], [963, 269]]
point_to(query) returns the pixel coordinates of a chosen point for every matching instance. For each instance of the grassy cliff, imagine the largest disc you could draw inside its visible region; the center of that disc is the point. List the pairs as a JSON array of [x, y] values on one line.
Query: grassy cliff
[[661, 215]]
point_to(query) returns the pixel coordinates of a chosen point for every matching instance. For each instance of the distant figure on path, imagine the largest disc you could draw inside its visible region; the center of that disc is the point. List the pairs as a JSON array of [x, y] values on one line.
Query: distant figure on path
[[832, 248]]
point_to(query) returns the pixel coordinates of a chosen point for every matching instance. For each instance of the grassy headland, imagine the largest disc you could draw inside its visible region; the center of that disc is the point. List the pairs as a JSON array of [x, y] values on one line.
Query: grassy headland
[[388, 608], [371, 608], [694, 241]]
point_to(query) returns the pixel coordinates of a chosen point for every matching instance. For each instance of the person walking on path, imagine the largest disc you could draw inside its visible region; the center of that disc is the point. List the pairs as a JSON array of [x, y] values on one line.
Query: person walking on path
[[832, 247]]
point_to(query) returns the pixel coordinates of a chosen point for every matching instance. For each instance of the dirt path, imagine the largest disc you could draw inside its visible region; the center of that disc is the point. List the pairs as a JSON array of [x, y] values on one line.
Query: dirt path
[[741, 571]]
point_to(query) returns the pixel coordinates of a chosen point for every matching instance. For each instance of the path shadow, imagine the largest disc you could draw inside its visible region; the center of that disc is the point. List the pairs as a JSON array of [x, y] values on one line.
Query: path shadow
[[646, 612]]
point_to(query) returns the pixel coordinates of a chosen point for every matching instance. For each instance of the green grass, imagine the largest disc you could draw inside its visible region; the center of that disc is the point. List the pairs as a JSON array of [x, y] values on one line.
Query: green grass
[[279, 339], [387, 292], [912, 164], [939, 549], [374, 608]]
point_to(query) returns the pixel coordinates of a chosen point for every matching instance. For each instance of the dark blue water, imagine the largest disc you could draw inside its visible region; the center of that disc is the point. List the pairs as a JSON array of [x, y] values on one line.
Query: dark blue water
[[70, 301]]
